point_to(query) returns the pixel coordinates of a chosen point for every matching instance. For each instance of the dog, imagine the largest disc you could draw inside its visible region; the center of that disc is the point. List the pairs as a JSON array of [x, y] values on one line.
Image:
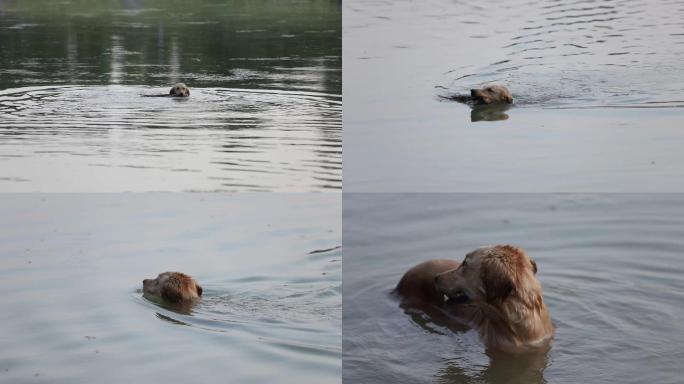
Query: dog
[[417, 286], [491, 94], [178, 90], [494, 289], [174, 287]]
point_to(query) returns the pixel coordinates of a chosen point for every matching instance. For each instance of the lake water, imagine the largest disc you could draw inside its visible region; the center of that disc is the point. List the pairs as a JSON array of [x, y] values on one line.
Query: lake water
[[597, 85], [264, 113], [610, 267], [72, 267]]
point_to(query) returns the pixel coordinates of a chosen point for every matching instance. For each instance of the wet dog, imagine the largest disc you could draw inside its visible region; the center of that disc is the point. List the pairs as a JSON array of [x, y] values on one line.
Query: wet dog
[[178, 90], [491, 94], [494, 289], [174, 287], [417, 286]]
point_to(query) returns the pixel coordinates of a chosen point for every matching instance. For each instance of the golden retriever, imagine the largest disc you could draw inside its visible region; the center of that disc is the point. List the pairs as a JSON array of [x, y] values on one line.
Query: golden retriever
[[494, 289], [174, 287], [417, 286], [491, 94], [179, 90]]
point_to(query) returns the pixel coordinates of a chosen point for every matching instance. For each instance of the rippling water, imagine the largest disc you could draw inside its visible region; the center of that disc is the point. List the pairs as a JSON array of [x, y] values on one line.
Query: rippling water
[[72, 267], [264, 112], [218, 139], [597, 88], [610, 266], [580, 53]]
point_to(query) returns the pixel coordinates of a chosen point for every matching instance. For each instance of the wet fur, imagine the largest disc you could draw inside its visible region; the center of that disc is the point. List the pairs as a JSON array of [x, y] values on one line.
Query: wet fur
[[494, 289], [178, 90], [417, 286], [174, 287], [491, 94]]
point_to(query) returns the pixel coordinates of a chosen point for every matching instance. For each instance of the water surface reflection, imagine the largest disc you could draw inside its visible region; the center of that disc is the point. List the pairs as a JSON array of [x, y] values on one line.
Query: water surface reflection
[[265, 106]]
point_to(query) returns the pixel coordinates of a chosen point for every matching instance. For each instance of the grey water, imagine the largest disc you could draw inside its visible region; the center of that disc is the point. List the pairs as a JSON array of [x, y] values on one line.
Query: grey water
[[610, 266], [264, 112], [597, 85], [72, 267]]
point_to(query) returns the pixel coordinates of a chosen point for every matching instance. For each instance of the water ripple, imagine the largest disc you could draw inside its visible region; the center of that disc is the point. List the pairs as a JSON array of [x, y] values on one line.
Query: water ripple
[[585, 54], [301, 313], [236, 139]]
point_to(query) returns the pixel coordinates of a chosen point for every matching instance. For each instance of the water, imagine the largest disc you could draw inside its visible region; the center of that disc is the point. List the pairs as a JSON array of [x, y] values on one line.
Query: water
[[245, 140], [264, 112], [72, 267], [610, 267], [597, 88]]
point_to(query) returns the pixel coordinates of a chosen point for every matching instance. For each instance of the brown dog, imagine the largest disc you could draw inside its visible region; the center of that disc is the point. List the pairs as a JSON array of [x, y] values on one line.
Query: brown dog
[[174, 287], [497, 291], [417, 286], [491, 94]]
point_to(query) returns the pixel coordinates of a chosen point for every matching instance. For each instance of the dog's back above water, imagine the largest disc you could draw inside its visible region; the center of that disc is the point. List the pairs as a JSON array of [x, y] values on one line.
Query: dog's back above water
[[495, 288]]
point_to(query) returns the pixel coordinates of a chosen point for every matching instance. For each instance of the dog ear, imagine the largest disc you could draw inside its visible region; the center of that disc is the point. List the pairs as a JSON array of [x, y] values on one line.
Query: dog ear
[[534, 266], [171, 91], [170, 294], [509, 99], [497, 280], [199, 289]]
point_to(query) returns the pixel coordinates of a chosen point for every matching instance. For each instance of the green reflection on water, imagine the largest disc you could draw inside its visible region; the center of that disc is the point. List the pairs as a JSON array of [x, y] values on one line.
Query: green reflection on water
[[248, 44]]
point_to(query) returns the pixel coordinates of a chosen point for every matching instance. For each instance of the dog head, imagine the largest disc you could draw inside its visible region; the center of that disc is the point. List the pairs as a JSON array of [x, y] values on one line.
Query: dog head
[[491, 275], [174, 287], [179, 90], [491, 94]]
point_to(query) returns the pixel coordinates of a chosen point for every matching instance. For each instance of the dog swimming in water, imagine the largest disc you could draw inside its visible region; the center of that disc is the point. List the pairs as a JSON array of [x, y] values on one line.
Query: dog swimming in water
[[178, 90]]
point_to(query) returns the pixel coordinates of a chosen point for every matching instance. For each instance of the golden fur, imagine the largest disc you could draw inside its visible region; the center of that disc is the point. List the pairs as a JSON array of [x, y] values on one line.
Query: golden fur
[[500, 282], [179, 90], [174, 287], [417, 286], [491, 94], [494, 289]]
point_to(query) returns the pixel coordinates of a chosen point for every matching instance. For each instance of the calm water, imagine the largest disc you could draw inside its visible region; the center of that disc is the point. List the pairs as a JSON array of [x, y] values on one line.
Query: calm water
[[598, 91], [610, 266], [264, 113], [72, 268]]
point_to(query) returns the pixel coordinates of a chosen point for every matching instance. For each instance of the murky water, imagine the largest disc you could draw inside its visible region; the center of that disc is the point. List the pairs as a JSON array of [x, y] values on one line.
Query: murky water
[[610, 266], [597, 88], [72, 268], [264, 111]]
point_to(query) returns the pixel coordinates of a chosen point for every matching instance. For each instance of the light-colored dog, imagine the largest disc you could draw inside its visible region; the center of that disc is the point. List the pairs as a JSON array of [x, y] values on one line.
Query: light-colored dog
[[179, 90], [174, 287], [494, 289]]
